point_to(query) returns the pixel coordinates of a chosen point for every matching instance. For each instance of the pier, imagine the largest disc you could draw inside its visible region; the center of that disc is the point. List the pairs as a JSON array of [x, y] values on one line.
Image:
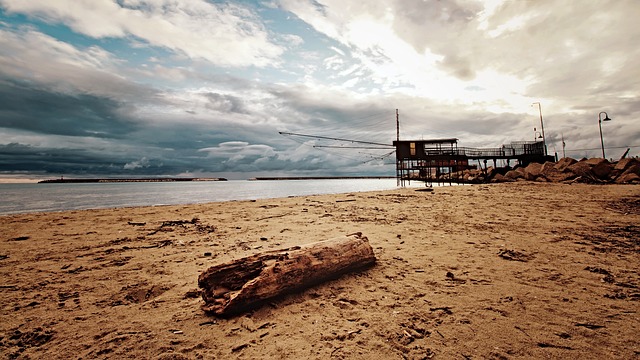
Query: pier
[[435, 160]]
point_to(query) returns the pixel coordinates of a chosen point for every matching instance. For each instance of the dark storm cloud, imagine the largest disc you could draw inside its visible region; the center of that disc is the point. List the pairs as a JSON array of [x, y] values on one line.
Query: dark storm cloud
[[20, 157], [23, 107], [88, 135], [89, 162]]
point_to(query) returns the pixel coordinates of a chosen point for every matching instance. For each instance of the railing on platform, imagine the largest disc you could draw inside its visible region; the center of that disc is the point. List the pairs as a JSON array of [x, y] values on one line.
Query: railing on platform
[[512, 150]]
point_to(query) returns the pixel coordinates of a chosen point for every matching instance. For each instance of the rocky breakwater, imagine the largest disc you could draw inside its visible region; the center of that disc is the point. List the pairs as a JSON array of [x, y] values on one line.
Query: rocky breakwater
[[568, 170]]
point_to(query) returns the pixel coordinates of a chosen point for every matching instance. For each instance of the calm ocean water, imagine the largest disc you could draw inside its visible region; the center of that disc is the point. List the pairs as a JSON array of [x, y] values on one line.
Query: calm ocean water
[[24, 198]]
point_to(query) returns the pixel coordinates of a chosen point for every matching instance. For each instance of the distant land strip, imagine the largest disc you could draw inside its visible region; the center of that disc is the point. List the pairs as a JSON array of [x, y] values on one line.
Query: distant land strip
[[112, 180], [320, 177]]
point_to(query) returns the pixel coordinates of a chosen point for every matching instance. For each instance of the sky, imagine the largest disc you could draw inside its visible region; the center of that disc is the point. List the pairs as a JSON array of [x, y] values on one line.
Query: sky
[[203, 88]]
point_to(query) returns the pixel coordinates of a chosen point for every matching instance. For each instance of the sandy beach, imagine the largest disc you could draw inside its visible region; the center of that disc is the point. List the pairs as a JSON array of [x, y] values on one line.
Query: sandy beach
[[501, 271]]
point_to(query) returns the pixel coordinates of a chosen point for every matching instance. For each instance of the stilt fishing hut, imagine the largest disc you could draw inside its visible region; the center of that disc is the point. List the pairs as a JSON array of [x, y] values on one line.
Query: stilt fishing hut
[[437, 160]]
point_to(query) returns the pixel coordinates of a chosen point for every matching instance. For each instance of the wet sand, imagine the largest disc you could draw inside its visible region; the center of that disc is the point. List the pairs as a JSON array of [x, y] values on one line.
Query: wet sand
[[515, 270]]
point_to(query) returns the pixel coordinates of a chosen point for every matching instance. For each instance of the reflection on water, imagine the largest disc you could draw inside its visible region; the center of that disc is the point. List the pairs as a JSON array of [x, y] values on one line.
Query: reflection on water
[[21, 198]]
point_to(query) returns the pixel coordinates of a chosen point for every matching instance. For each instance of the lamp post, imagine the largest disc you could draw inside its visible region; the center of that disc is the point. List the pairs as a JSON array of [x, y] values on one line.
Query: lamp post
[[537, 135], [600, 120], [544, 139]]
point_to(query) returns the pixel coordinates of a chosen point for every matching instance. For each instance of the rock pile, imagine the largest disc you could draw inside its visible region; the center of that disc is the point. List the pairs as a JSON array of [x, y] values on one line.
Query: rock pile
[[594, 170]]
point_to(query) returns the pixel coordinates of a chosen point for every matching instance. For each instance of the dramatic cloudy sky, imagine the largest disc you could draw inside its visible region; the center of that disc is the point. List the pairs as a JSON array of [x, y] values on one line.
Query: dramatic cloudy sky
[[203, 87]]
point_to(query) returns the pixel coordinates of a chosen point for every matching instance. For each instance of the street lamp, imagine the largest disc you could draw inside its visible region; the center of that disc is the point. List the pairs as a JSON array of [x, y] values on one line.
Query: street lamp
[[544, 139], [537, 135], [600, 120]]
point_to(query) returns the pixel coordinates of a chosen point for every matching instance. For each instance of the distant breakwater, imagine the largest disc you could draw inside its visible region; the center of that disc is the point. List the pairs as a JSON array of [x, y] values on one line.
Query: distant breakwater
[[116, 180], [320, 177]]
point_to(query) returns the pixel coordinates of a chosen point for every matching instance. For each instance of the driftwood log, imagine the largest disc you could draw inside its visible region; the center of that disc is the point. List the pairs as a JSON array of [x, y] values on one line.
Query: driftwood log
[[241, 284]]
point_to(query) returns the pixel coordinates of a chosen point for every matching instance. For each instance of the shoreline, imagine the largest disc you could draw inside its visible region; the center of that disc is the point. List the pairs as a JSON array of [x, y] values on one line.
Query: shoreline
[[516, 270], [116, 180], [32, 198]]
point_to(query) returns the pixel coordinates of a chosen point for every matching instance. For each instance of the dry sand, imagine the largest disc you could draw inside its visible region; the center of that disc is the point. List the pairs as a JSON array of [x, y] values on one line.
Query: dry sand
[[5, 180], [519, 270]]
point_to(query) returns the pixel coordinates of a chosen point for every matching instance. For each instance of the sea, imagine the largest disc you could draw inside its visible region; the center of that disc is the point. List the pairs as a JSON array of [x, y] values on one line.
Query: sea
[[33, 197]]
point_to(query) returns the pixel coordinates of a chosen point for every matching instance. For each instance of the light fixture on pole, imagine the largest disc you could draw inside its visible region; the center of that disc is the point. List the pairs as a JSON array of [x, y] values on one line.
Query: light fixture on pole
[[600, 120], [537, 135], [544, 139]]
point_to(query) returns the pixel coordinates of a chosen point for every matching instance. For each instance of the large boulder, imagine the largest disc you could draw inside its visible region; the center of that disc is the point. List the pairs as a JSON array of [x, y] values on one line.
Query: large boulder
[[564, 177], [594, 170], [474, 176], [633, 169], [626, 163], [519, 169], [548, 168], [602, 170], [564, 163], [514, 175], [628, 178], [500, 178], [595, 161], [549, 172], [580, 168], [532, 171]]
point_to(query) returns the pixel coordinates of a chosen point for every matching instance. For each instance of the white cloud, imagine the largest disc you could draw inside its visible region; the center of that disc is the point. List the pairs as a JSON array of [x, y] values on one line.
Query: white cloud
[[292, 40], [224, 34], [239, 150], [142, 163], [340, 52], [349, 70], [28, 54], [333, 62]]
